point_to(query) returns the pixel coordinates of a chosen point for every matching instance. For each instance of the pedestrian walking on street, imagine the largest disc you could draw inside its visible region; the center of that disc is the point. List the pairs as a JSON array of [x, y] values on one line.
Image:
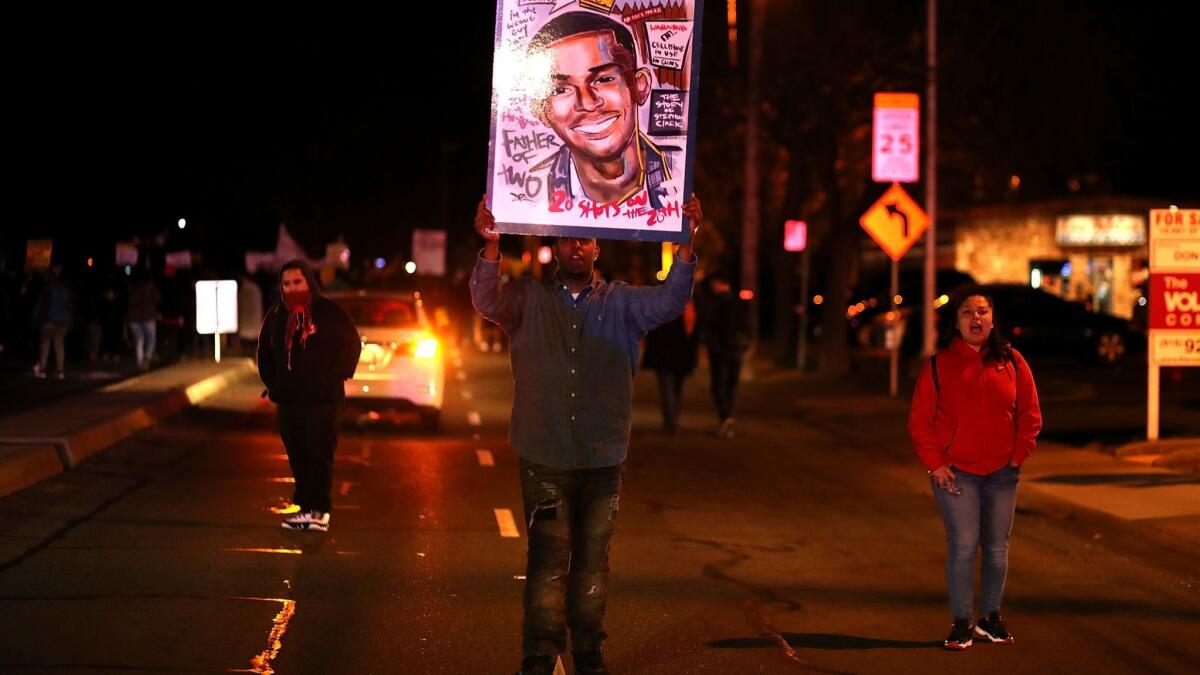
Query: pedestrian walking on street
[[141, 315], [573, 350], [974, 422], [725, 330], [307, 348], [671, 354], [54, 313]]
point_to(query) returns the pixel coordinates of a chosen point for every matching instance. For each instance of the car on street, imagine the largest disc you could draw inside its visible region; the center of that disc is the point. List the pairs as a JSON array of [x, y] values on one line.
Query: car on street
[[402, 364], [1041, 323]]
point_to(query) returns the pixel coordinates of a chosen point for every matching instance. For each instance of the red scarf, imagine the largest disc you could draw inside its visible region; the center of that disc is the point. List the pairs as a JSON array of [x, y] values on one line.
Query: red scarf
[[299, 304]]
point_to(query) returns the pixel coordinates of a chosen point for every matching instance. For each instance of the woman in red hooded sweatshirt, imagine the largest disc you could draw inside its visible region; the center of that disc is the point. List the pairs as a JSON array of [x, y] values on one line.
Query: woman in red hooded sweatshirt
[[974, 421], [307, 348]]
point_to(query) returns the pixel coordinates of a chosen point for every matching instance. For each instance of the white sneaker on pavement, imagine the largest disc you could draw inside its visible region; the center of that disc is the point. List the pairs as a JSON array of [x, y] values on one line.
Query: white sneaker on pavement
[[317, 521]]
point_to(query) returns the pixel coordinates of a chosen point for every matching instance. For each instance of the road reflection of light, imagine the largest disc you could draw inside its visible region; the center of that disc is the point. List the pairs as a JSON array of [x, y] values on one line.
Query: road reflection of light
[[261, 663], [285, 509], [281, 479], [274, 551]]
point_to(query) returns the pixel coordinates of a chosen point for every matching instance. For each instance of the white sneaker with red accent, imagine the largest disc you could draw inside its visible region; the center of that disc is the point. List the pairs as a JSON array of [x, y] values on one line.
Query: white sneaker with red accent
[[317, 521]]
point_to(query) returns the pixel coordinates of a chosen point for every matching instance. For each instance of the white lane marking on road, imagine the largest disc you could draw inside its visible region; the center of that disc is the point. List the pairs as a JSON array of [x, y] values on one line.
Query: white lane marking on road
[[485, 458], [467, 395], [345, 488], [474, 419], [508, 526]]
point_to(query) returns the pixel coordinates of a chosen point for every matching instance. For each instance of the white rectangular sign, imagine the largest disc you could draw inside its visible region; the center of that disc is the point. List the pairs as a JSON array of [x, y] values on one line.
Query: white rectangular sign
[[127, 253], [1175, 347], [1175, 255], [896, 156], [429, 252], [216, 307], [1174, 240]]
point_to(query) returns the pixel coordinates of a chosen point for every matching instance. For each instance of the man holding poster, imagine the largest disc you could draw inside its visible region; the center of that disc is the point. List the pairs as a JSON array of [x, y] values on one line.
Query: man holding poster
[[593, 118], [574, 350]]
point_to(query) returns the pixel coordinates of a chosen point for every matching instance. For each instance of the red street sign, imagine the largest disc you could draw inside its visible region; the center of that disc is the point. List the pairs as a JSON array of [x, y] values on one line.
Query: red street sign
[[1175, 301], [795, 235]]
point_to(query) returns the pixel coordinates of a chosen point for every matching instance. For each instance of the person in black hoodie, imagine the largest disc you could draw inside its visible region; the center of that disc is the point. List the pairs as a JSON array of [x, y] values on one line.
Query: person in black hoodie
[[724, 322], [307, 348]]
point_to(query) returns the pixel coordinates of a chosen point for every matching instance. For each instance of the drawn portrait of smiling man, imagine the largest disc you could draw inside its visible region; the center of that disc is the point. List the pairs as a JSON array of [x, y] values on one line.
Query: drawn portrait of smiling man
[[591, 102]]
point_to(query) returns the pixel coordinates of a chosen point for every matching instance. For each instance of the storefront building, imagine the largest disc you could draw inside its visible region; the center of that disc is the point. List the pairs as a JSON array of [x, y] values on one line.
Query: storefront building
[[1095, 252]]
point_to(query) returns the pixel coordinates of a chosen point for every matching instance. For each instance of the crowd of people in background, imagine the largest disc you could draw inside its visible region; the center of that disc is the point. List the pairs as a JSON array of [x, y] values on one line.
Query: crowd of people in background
[[59, 321]]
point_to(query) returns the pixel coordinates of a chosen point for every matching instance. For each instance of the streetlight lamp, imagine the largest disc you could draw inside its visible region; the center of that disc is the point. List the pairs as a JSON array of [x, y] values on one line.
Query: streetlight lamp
[[182, 223]]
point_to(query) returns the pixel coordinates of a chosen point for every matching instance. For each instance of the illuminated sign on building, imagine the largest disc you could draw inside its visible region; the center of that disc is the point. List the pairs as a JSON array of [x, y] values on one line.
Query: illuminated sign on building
[[1100, 230]]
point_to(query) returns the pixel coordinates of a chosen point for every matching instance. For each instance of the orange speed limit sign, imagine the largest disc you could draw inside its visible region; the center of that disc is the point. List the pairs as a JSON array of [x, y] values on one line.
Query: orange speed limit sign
[[895, 222]]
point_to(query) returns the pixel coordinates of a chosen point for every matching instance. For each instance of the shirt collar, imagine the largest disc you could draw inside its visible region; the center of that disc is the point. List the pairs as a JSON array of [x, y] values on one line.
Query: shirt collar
[[960, 345]]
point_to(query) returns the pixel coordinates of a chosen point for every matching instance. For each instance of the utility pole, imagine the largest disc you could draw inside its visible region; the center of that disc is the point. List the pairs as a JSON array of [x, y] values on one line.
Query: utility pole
[[930, 341], [753, 184]]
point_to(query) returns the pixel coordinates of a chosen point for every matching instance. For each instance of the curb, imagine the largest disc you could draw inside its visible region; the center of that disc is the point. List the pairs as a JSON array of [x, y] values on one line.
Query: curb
[[24, 465], [1177, 454], [26, 461]]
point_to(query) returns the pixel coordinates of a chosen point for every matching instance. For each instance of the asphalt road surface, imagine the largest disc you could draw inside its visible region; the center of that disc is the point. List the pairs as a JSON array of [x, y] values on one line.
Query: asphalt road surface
[[808, 543]]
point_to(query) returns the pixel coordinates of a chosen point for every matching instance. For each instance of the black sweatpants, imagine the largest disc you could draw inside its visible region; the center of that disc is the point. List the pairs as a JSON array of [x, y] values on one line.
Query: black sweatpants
[[309, 434]]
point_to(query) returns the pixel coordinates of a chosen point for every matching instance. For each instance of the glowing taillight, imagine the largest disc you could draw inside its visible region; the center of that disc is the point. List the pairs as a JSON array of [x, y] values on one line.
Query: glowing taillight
[[426, 349]]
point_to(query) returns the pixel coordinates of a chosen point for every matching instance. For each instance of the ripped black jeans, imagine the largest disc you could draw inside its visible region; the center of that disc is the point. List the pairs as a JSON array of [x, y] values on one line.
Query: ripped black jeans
[[569, 516]]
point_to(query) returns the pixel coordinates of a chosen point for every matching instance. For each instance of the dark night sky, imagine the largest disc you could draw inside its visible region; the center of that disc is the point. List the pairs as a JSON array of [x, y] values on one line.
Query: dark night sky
[[340, 125]]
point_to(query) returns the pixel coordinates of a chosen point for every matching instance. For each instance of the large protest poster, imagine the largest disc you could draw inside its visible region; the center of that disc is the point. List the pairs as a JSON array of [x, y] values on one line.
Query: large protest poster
[[594, 117]]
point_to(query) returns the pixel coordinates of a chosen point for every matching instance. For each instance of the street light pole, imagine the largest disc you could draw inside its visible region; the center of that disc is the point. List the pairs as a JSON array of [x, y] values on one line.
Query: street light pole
[[930, 341]]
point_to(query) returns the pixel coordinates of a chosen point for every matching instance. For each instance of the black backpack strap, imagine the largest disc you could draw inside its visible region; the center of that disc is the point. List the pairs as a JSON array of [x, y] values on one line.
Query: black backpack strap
[[937, 386]]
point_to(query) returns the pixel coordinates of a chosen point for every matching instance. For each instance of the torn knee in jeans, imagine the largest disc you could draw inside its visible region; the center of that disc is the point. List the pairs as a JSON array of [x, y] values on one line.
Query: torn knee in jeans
[[545, 509]]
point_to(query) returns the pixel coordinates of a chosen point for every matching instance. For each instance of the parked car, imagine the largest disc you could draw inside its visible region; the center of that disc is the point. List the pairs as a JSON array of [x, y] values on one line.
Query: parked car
[[1038, 322], [402, 365], [872, 315]]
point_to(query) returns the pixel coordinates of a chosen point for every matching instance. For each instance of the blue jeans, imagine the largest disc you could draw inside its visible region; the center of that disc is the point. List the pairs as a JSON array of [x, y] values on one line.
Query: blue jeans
[[981, 516], [570, 518], [144, 338]]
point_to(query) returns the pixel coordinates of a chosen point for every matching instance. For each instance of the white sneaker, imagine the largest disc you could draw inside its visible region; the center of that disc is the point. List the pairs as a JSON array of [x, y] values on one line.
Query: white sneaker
[[39, 372], [726, 429], [308, 520]]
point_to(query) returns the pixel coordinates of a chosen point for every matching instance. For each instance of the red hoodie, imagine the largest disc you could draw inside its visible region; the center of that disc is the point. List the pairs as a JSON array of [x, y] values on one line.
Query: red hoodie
[[984, 415]]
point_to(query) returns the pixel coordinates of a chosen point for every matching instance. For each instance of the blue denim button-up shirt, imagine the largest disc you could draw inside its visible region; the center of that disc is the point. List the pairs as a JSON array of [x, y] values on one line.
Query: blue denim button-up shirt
[[573, 360]]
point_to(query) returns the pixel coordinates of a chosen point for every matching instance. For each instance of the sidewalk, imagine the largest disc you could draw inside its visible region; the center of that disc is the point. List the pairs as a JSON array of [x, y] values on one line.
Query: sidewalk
[[43, 442], [1176, 454], [1154, 486]]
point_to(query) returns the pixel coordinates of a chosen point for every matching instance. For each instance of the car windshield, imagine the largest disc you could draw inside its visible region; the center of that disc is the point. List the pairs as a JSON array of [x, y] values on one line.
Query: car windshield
[[390, 312]]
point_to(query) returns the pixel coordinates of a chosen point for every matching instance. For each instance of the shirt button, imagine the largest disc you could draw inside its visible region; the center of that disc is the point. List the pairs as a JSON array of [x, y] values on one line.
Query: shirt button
[[572, 394], [572, 418], [572, 371], [574, 326], [572, 349]]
